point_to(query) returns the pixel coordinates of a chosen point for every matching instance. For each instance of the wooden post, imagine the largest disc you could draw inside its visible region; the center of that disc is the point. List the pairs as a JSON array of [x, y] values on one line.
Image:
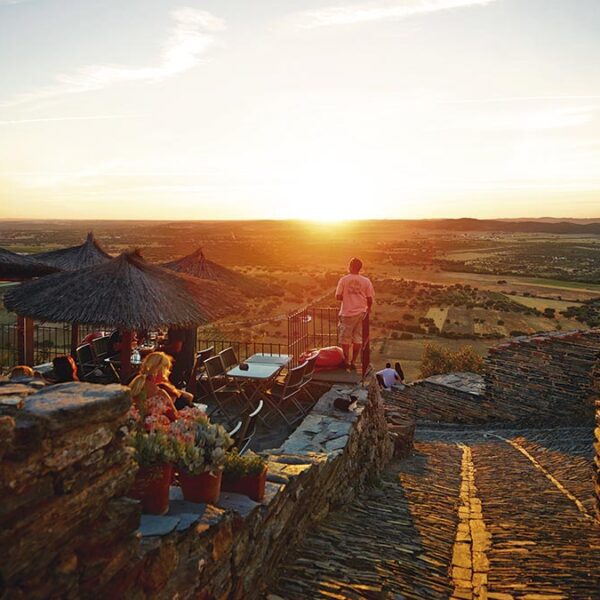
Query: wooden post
[[20, 340], [74, 338], [126, 338]]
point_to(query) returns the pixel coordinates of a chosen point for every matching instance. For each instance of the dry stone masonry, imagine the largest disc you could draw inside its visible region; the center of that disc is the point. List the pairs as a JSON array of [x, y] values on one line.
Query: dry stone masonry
[[545, 378], [68, 530]]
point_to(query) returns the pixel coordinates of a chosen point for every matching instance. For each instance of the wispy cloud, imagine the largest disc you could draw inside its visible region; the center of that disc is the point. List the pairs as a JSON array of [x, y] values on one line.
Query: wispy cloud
[[193, 32], [59, 119], [376, 11]]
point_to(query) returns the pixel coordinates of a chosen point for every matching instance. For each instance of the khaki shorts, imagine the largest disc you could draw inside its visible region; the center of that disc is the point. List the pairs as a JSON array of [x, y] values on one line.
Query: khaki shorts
[[351, 329]]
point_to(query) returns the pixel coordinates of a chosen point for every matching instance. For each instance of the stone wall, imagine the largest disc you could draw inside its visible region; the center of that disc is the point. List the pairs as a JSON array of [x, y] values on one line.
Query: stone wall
[[68, 531], [65, 526], [545, 378], [451, 398]]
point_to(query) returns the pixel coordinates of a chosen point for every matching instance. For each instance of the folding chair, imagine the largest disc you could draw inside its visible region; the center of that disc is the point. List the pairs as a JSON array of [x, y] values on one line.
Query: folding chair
[[86, 361], [229, 358], [284, 394], [308, 375], [220, 385], [100, 346], [197, 369], [243, 436]]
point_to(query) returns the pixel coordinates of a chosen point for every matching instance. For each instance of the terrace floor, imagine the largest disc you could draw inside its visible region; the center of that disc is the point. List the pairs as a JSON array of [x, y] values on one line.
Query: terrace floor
[[471, 514]]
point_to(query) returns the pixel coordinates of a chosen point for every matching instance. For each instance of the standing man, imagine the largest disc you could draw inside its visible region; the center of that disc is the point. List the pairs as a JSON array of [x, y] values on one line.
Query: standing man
[[356, 293]]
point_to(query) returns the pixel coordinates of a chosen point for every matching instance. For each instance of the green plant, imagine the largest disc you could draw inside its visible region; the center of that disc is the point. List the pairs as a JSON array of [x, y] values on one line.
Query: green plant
[[151, 448], [236, 465], [437, 359], [201, 445]]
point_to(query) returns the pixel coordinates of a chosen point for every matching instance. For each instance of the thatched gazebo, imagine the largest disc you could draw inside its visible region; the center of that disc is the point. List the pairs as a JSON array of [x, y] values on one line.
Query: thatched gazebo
[[125, 293], [197, 265], [88, 254], [18, 267]]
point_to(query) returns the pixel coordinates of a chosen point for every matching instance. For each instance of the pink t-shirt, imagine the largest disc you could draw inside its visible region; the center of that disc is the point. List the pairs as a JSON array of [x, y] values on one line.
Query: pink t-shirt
[[354, 289]]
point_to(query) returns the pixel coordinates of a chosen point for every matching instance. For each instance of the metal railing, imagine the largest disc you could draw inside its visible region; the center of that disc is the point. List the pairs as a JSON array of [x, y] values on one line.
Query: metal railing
[[242, 349], [312, 327], [49, 340]]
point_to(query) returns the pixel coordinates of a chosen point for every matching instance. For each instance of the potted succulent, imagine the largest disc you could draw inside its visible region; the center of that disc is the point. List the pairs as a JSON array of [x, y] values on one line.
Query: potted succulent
[[154, 451], [202, 446], [245, 474]]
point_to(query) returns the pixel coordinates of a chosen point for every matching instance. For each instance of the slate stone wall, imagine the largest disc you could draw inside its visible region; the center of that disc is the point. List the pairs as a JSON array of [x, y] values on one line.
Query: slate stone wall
[[67, 530], [65, 527], [435, 403], [544, 379]]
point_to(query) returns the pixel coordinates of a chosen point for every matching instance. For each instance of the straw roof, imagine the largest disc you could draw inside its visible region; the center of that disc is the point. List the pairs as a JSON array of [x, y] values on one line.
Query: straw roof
[[124, 292], [76, 257], [197, 265], [16, 267]]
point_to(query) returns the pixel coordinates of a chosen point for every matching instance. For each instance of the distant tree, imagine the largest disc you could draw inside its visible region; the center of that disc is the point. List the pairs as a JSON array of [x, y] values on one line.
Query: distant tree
[[437, 360]]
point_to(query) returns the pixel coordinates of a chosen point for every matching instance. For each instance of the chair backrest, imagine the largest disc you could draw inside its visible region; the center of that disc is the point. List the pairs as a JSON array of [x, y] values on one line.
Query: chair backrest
[[244, 436], [85, 359], [214, 367], [294, 380], [100, 346], [236, 429], [310, 368], [204, 354], [201, 357], [229, 357]]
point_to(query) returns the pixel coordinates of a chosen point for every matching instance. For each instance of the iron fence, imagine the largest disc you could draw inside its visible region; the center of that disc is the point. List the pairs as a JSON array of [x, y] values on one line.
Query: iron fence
[[243, 350], [312, 327]]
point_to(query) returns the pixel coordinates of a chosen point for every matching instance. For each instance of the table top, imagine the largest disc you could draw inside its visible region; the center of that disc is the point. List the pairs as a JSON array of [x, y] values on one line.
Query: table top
[[256, 371], [269, 359]]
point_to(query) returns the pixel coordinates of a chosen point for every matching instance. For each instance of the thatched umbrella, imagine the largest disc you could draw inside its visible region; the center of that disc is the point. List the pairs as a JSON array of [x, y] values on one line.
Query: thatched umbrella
[[17, 267], [197, 265], [127, 293], [76, 257]]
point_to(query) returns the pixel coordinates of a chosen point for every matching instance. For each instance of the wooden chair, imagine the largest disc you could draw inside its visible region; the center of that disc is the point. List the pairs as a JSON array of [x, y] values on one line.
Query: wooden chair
[[284, 395], [243, 436], [100, 346], [221, 388], [229, 358], [86, 361], [308, 375], [197, 371]]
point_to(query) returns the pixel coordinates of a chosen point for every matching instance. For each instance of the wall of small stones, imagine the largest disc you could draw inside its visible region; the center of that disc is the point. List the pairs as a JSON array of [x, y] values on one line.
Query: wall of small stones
[[434, 403], [65, 526], [545, 378], [67, 529]]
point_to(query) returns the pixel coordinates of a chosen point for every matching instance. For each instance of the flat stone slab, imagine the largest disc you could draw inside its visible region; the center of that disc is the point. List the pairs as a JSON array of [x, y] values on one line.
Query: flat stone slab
[[237, 502], [470, 383], [67, 405], [156, 525]]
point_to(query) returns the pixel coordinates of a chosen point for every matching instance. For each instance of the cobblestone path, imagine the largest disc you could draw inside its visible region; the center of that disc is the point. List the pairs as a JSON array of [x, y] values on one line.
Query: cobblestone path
[[471, 514]]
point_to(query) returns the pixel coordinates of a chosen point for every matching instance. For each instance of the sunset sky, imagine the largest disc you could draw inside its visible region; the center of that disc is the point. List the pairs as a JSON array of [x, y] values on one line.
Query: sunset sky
[[311, 109]]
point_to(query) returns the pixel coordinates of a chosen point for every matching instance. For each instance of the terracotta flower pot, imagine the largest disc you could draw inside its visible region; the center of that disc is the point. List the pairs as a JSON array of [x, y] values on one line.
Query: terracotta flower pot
[[151, 486], [252, 486], [204, 487]]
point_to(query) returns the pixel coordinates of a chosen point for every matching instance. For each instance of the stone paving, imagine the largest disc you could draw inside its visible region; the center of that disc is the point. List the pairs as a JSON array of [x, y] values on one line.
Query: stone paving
[[471, 514]]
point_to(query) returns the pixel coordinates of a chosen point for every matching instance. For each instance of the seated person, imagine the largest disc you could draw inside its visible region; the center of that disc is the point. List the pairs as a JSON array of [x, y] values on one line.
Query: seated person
[[388, 376], [63, 369], [400, 372], [153, 384]]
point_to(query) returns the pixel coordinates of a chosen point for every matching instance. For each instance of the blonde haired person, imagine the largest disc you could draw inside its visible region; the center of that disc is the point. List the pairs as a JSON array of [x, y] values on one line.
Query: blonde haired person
[[21, 372], [152, 387], [146, 394]]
